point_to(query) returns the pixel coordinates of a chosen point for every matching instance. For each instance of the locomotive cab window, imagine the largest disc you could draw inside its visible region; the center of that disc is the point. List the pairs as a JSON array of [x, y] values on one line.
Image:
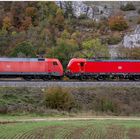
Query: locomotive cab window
[[55, 63], [82, 64]]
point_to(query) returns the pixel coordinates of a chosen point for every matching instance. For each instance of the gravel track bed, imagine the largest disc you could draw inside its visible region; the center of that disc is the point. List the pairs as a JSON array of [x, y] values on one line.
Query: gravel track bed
[[67, 84]]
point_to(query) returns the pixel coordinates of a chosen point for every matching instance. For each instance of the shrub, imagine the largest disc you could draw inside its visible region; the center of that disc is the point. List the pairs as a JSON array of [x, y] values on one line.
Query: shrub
[[129, 53], [82, 16], [58, 98], [115, 39], [118, 23], [128, 7], [3, 108], [104, 105], [25, 48], [138, 22], [88, 23], [138, 11]]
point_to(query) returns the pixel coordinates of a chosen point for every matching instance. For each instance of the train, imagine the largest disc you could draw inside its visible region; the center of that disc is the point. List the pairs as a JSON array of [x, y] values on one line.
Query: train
[[31, 68], [77, 68], [103, 69]]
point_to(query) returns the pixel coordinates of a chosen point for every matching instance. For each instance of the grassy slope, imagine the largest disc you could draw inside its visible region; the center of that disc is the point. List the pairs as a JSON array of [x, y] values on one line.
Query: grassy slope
[[72, 129], [107, 100]]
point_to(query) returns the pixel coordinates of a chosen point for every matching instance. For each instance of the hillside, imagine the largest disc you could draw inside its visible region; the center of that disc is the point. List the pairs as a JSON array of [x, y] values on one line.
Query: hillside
[[70, 29]]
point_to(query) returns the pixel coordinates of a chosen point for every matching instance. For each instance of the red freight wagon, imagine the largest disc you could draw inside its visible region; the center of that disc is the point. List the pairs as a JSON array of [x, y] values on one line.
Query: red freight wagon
[[103, 69], [31, 68]]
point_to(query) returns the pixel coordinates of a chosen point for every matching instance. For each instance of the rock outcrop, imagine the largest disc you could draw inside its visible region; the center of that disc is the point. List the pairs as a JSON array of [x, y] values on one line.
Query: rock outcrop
[[133, 39], [79, 8]]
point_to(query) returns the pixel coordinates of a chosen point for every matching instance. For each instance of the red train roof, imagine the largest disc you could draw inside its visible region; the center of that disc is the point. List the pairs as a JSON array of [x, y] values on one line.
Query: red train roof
[[27, 59]]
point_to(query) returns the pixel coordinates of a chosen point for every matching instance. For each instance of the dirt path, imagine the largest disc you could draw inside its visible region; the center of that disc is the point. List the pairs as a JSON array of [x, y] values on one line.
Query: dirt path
[[68, 119]]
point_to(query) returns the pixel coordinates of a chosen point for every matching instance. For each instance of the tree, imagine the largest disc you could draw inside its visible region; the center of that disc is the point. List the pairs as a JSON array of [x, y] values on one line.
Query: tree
[[59, 19], [26, 23], [94, 48], [30, 11], [64, 50], [4, 42], [65, 35], [7, 23], [25, 48], [118, 23], [46, 9], [68, 9]]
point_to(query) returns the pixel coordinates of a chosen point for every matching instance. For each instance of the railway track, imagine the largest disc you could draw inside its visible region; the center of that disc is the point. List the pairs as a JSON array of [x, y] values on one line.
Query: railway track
[[19, 83]]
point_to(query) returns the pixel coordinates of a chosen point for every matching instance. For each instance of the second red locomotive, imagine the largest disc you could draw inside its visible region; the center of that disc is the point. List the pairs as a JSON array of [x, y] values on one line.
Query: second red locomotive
[[103, 69]]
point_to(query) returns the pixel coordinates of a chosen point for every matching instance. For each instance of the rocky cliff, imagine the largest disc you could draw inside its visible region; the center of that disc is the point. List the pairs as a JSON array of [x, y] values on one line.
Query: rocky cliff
[[133, 39]]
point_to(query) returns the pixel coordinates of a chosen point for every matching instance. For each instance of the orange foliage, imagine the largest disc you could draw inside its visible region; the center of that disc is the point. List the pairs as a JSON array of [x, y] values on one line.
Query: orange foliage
[[30, 11], [118, 23], [27, 22]]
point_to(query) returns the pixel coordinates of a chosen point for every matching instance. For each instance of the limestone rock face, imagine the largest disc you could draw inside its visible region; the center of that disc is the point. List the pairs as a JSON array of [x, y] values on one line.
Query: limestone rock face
[[133, 39], [95, 12]]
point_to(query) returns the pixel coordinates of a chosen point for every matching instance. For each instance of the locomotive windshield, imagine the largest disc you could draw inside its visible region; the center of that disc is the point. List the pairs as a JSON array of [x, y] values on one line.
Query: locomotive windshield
[[55, 63]]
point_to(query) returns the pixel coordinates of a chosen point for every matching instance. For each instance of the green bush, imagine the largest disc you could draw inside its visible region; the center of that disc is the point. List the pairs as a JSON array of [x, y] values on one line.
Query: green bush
[[23, 49], [58, 98], [128, 7]]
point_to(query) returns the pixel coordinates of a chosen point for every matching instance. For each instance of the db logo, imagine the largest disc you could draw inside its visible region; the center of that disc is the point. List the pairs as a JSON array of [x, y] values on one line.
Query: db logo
[[8, 66], [119, 67]]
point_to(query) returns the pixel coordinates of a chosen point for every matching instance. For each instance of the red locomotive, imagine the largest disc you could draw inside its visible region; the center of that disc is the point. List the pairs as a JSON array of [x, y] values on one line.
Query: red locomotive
[[78, 68], [31, 68], [103, 69]]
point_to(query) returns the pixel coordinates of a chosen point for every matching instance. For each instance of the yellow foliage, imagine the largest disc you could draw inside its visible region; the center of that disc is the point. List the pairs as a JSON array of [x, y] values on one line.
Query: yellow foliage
[[7, 23]]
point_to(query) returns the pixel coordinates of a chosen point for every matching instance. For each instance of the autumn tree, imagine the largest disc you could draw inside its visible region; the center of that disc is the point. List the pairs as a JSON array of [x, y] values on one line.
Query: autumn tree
[[7, 23], [26, 23], [118, 23], [30, 11]]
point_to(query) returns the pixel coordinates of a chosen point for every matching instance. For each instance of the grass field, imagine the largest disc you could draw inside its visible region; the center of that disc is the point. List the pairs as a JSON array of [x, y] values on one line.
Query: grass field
[[71, 129]]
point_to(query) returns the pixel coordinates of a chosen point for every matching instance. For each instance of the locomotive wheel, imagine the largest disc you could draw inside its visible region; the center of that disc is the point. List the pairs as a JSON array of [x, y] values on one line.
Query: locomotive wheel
[[82, 77], [136, 78], [28, 78], [100, 78], [46, 78]]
